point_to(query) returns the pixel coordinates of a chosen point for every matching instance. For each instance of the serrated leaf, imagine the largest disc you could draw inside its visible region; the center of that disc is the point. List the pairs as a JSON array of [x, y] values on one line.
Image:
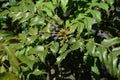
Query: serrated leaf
[[62, 56], [110, 1], [33, 31], [103, 6], [73, 27], [49, 12], [102, 54], [36, 21], [64, 47], [2, 69], [12, 59], [50, 6], [54, 47], [88, 23], [80, 28], [38, 72], [76, 45], [96, 15], [110, 42], [63, 4], [112, 61], [28, 60], [90, 46], [42, 55], [72, 40], [8, 76]]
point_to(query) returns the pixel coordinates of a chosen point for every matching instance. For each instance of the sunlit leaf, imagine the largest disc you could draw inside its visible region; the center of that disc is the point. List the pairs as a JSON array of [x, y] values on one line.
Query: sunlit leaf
[[28, 60], [54, 47], [64, 47], [33, 31], [12, 58], [76, 45], [90, 46], [62, 56], [96, 14], [110, 42], [88, 23], [8, 76], [104, 6]]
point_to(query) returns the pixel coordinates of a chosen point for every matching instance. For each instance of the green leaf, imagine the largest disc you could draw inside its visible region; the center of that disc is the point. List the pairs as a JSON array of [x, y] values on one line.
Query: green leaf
[[38, 72], [90, 46], [64, 47], [26, 16], [88, 23], [33, 31], [54, 47], [2, 69], [110, 42], [12, 59], [42, 54], [110, 1], [8, 76], [102, 54], [16, 15], [112, 61], [96, 15], [62, 56], [28, 60], [80, 28], [76, 45], [4, 13], [73, 27], [50, 6], [103, 6], [95, 70], [72, 40], [49, 12], [36, 21], [57, 20], [63, 4], [31, 39]]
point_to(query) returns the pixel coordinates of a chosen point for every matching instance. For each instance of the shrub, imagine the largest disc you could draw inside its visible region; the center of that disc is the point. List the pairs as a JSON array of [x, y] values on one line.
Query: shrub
[[59, 39]]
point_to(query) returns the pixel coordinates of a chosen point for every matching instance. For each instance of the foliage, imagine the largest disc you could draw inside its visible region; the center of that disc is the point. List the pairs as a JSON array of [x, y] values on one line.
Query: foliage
[[39, 39]]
